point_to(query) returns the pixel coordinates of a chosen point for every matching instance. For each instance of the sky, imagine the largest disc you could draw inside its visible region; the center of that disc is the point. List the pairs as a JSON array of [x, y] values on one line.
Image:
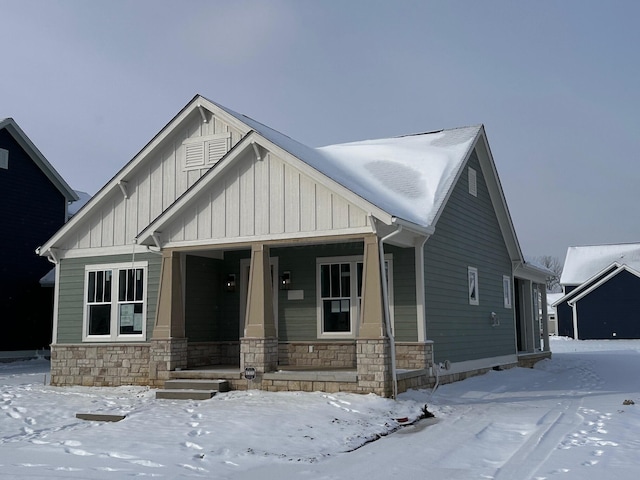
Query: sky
[[572, 417], [554, 83]]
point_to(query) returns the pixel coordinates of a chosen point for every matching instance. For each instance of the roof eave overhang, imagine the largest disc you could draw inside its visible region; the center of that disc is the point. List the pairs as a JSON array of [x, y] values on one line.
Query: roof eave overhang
[[40, 160], [151, 235], [196, 102]]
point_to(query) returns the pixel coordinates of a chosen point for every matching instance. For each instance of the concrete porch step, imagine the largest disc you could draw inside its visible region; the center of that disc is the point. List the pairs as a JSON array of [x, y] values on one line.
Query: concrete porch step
[[185, 394], [197, 384]]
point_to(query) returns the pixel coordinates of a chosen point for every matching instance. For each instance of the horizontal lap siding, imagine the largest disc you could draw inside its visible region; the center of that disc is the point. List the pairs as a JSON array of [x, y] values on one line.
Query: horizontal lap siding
[[467, 235], [72, 295], [298, 319], [404, 294]]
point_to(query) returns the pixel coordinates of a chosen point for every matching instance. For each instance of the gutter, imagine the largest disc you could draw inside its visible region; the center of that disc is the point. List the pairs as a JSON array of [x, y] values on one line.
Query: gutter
[[385, 302]]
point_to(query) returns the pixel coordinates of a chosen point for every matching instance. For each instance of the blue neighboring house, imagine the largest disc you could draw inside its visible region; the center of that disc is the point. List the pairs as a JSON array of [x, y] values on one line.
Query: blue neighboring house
[[33, 206], [601, 292]]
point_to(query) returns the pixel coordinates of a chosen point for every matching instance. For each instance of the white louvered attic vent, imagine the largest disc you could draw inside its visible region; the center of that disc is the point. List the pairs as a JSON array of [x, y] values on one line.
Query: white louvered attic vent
[[473, 182], [4, 159], [204, 152]]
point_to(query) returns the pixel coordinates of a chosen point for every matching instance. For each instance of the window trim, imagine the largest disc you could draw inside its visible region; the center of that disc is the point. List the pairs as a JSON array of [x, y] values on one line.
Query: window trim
[[114, 336], [506, 291], [472, 273], [355, 299]]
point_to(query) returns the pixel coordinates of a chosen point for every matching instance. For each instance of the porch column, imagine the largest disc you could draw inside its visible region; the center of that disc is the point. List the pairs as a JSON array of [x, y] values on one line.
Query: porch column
[[168, 349], [259, 346], [373, 351], [545, 317]]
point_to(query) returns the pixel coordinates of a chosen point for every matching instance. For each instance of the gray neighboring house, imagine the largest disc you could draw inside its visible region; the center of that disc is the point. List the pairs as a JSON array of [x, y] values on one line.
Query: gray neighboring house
[[364, 267]]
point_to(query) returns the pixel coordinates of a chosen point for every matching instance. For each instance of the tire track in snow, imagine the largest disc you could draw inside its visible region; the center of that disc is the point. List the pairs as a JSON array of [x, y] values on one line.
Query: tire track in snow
[[552, 428]]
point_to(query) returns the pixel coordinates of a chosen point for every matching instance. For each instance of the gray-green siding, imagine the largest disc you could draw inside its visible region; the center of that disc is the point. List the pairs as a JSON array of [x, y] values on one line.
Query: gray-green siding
[[72, 292], [212, 313], [467, 235]]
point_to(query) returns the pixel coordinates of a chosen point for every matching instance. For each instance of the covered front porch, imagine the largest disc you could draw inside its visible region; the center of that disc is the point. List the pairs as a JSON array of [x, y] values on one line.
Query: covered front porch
[[303, 315]]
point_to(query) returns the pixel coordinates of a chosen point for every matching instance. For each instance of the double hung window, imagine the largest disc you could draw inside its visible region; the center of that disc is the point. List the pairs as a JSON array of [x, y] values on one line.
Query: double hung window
[[115, 302], [340, 294]]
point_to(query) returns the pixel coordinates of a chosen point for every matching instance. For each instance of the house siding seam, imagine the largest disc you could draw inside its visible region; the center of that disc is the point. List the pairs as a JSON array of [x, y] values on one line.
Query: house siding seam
[[467, 235]]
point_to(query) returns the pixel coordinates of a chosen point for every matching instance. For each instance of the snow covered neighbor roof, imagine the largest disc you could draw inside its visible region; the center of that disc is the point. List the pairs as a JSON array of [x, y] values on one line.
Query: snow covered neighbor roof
[[583, 262], [408, 176]]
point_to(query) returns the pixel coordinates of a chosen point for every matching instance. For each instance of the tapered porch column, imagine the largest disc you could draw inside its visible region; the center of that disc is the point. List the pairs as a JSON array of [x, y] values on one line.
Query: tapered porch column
[[259, 346], [168, 349], [373, 352]]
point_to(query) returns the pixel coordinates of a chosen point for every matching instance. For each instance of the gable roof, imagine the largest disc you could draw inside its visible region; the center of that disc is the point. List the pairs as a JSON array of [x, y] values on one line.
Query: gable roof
[[407, 176], [406, 179], [583, 262], [38, 158], [594, 282]]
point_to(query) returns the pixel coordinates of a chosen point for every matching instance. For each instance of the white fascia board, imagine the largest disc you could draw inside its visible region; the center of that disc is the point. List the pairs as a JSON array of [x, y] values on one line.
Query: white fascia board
[[587, 284], [530, 272], [326, 181], [297, 237], [145, 236], [175, 209], [103, 251], [497, 196], [602, 281], [36, 155], [167, 130]]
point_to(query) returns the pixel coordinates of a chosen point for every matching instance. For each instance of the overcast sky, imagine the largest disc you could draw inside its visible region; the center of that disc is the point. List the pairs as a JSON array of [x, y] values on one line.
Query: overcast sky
[[556, 85]]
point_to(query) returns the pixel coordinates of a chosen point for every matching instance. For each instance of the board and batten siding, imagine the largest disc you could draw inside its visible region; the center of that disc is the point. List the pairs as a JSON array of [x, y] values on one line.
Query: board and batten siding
[[467, 235], [155, 184], [72, 292], [261, 198]]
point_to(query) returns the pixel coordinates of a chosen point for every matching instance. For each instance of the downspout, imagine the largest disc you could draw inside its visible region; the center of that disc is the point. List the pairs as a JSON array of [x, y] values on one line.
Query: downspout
[[387, 315], [574, 311]]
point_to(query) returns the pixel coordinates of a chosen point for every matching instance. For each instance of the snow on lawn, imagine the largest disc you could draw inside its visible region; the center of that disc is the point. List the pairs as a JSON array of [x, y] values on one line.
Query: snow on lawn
[[564, 419]]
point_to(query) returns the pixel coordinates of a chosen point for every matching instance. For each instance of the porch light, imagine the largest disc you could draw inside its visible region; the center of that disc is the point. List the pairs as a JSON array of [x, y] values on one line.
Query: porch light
[[285, 281], [231, 283]]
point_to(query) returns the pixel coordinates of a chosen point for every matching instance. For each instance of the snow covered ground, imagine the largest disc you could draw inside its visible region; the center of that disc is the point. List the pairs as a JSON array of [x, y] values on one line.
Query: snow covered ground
[[565, 419]]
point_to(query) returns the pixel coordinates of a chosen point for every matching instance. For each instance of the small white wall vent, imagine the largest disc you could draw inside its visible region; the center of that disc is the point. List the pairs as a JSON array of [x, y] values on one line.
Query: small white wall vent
[[204, 152], [4, 159], [473, 182]]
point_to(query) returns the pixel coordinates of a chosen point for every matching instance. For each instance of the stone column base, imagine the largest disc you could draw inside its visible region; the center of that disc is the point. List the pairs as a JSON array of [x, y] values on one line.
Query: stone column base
[[373, 358], [166, 355], [259, 353]]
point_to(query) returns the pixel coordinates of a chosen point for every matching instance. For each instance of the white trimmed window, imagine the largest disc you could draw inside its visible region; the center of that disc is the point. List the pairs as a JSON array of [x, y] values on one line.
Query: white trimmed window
[[204, 152], [115, 302], [4, 159], [474, 294], [339, 281], [506, 289], [473, 182]]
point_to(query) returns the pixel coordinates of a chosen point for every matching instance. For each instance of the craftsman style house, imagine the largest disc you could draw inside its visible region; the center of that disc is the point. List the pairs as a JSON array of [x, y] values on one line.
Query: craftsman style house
[[225, 245], [601, 292], [33, 206]]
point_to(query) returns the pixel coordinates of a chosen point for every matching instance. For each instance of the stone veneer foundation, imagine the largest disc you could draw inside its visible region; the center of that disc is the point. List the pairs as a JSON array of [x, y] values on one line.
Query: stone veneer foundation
[[374, 367], [317, 354], [100, 365], [213, 353]]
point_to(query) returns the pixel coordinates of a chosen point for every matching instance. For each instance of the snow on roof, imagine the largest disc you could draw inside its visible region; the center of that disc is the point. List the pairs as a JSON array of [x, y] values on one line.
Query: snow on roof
[[407, 177], [83, 197], [583, 262]]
